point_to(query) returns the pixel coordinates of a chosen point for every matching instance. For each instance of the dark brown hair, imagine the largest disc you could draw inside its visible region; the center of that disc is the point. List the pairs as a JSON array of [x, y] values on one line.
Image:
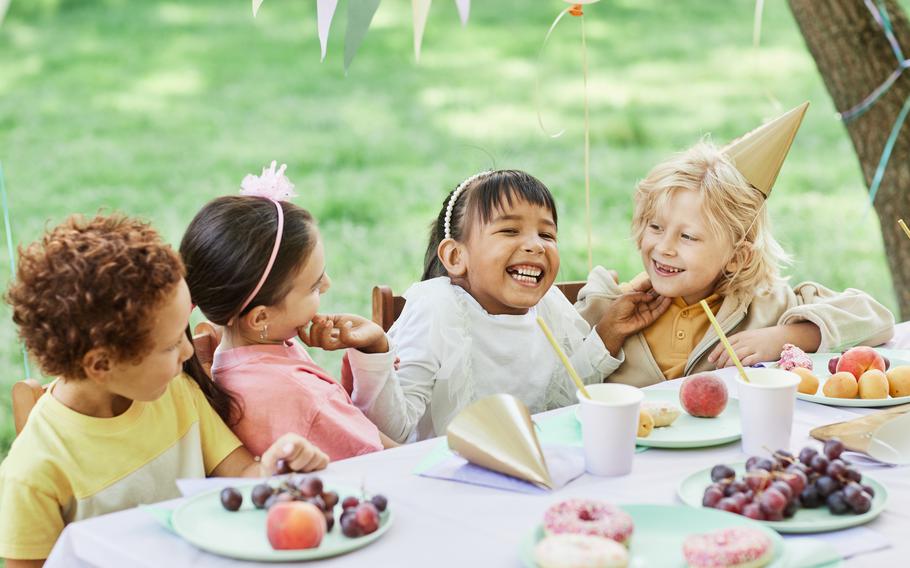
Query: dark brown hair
[[478, 202], [227, 247]]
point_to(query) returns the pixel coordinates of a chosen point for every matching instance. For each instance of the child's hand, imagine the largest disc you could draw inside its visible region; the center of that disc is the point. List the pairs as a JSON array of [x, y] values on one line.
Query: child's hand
[[296, 451], [758, 345], [341, 331], [629, 314]]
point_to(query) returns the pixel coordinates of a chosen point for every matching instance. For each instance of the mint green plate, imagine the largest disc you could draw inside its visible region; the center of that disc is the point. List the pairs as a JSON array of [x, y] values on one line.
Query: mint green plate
[[820, 370], [687, 431], [203, 522], [660, 531], [692, 489]]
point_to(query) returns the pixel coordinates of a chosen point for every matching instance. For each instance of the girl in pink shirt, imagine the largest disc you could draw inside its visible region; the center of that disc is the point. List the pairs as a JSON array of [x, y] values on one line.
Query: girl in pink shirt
[[256, 265]]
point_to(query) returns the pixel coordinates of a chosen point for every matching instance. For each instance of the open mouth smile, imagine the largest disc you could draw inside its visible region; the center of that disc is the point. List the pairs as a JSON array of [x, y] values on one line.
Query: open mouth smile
[[526, 274], [665, 269]]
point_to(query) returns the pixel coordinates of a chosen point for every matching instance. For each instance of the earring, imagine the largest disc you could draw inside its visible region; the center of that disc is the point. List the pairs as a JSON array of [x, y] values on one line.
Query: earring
[[264, 333]]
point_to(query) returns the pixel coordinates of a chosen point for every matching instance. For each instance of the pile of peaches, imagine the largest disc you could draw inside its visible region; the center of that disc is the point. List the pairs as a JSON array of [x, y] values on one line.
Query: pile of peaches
[[859, 372]]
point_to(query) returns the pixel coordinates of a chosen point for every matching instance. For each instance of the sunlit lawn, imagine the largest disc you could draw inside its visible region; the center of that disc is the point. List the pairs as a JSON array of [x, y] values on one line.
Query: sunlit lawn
[[154, 107]]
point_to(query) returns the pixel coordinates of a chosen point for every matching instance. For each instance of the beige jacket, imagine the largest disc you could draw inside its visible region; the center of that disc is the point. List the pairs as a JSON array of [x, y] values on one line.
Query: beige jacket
[[845, 319]]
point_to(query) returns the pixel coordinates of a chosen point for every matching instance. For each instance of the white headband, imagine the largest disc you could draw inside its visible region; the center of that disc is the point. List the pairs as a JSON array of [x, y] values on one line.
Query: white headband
[[461, 187]]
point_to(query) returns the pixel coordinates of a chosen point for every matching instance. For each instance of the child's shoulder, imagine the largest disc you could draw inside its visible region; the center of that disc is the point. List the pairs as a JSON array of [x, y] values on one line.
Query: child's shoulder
[[33, 457]]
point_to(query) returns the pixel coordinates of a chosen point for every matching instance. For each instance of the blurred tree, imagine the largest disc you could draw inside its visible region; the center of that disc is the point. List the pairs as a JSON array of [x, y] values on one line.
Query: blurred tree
[[854, 57]]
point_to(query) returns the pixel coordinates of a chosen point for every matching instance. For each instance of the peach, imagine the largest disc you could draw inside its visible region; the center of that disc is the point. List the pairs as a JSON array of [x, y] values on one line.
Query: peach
[[703, 395], [899, 381], [645, 423], [294, 525], [841, 385], [858, 360], [808, 383], [873, 384]]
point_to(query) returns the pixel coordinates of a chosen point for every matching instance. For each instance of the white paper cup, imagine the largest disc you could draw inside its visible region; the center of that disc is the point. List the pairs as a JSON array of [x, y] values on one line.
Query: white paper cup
[[766, 409], [609, 424]]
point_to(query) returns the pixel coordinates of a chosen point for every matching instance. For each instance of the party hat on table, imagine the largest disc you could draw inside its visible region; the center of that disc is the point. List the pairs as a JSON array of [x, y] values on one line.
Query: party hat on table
[[882, 435], [760, 154], [496, 432]]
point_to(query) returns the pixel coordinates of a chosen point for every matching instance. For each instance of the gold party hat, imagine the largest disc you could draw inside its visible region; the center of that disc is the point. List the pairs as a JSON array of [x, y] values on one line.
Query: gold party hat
[[496, 432], [760, 154], [858, 435]]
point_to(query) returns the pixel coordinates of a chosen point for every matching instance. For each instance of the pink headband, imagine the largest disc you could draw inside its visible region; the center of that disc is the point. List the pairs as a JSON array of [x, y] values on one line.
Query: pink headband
[[276, 187]]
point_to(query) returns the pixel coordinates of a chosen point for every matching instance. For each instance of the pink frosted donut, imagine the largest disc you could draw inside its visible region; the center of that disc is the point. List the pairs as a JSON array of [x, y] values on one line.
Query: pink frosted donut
[[792, 356], [580, 551], [739, 547], [587, 516]]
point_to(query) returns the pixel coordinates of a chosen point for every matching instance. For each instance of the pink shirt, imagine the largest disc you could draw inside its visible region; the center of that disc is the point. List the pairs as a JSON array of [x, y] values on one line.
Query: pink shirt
[[282, 390]]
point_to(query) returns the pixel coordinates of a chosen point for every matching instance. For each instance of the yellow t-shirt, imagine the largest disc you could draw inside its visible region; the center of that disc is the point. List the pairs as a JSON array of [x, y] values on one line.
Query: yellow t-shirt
[[674, 335], [67, 466]]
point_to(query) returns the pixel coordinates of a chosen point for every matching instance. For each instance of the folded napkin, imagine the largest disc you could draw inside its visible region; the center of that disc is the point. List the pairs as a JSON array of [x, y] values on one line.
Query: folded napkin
[[847, 543], [564, 429], [809, 553], [565, 464]]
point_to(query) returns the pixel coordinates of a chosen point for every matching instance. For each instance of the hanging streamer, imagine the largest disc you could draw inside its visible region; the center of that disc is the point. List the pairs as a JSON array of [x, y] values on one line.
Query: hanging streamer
[[576, 9], [325, 11], [11, 253], [464, 10], [360, 14], [256, 5], [420, 9]]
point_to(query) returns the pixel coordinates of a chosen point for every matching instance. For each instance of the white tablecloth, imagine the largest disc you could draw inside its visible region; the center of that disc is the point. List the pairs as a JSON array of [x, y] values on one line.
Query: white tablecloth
[[442, 523]]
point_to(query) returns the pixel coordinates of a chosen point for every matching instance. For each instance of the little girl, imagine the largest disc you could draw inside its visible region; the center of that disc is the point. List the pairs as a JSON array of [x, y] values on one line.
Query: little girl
[[102, 305], [256, 265], [703, 233], [469, 329]]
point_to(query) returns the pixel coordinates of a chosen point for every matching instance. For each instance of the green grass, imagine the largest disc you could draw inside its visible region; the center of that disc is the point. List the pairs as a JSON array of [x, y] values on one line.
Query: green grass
[[154, 107]]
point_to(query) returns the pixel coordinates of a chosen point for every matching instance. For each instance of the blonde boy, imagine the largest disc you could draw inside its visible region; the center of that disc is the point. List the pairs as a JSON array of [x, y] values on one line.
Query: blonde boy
[[703, 233]]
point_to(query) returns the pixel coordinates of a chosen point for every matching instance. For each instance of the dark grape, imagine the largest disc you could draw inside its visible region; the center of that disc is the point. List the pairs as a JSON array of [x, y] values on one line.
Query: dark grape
[[836, 469], [784, 488], [861, 503], [761, 463], [750, 463], [820, 464], [231, 499], [329, 521], [753, 511], [887, 362], [832, 364], [720, 472], [350, 502], [380, 501], [791, 508], [826, 486], [741, 499], [869, 490], [774, 516], [853, 475], [833, 448], [349, 525], [836, 503], [711, 497], [806, 455], [317, 500], [797, 481], [729, 504], [282, 466], [772, 501], [260, 493], [278, 498], [810, 497], [311, 487], [331, 499], [851, 490]]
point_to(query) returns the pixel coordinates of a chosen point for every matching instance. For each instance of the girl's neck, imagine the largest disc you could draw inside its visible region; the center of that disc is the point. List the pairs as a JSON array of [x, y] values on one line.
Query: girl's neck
[[87, 397]]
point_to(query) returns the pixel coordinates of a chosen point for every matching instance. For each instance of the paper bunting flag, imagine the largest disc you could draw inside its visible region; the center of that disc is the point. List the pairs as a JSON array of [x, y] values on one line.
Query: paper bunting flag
[[421, 9], [4, 6], [256, 5], [464, 9], [325, 11], [360, 14]]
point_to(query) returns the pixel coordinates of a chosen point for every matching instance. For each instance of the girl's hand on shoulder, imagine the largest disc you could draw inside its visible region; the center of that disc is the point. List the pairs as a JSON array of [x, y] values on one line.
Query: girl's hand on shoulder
[[299, 453], [630, 313], [341, 331]]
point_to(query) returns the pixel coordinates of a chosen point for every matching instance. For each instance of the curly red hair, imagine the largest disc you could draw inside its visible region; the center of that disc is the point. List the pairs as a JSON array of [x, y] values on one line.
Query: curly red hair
[[89, 284]]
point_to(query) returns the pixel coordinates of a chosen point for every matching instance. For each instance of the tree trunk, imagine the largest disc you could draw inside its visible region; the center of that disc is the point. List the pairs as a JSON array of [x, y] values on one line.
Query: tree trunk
[[854, 57]]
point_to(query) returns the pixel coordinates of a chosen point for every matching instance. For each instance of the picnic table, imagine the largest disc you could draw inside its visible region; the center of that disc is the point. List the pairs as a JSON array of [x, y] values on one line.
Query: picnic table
[[443, 523]]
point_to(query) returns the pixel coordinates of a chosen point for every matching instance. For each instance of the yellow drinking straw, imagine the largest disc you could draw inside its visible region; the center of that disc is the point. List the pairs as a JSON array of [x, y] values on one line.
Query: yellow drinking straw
[[904, 227], [723, 339], [562, 356]]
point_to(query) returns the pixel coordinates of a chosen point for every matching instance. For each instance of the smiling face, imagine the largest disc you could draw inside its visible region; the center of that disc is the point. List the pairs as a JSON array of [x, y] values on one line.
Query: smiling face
[[508, 264], [682, 256], [147, 379], [302, 301]]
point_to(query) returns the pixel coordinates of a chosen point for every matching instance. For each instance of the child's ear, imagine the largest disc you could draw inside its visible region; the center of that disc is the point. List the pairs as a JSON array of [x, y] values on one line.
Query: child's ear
[[97, 364], [256, 318], [741, 257], [452, 255]]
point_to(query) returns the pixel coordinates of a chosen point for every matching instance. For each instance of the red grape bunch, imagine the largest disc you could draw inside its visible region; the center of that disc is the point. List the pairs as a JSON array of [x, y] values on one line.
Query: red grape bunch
[[773, 489], [358, 517]]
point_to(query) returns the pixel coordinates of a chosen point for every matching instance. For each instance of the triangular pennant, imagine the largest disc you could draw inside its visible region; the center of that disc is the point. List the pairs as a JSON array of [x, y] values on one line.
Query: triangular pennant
[[496, 432], [360, 14], [760, 154], [325, 11], [256, 5], [421, 9], [464, 10]]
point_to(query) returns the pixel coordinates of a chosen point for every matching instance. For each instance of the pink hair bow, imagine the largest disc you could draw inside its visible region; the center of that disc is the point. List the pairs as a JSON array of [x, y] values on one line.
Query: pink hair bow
[[272, 184]]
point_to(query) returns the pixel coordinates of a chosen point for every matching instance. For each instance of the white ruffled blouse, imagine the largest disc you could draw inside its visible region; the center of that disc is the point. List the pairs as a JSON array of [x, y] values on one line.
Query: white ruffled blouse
[[452, 352]]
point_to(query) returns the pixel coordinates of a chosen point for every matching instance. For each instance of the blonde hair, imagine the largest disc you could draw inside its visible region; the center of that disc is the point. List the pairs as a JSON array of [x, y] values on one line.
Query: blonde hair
[[733, 208]]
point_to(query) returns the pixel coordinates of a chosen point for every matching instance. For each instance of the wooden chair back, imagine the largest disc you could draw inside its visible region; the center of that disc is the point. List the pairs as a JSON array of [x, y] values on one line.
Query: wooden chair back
[[387, 306], [27, 392]]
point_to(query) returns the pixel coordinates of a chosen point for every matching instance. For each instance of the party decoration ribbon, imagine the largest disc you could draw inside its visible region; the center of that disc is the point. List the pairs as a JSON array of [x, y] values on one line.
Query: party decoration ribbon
[[325, 11], [9, 250], [360, 14], [421, 9], [576, 9], [256, 5], [4, 6], [464, 10]]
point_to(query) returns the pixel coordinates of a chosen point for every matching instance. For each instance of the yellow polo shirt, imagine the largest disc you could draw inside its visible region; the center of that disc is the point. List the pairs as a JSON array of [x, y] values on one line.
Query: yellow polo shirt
[[674, 335]]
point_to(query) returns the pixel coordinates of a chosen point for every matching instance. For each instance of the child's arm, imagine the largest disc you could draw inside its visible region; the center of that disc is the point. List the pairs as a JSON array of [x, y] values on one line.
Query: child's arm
[[630, 313], [24, 563], [343, 331], [299, 454], [757, 345]]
